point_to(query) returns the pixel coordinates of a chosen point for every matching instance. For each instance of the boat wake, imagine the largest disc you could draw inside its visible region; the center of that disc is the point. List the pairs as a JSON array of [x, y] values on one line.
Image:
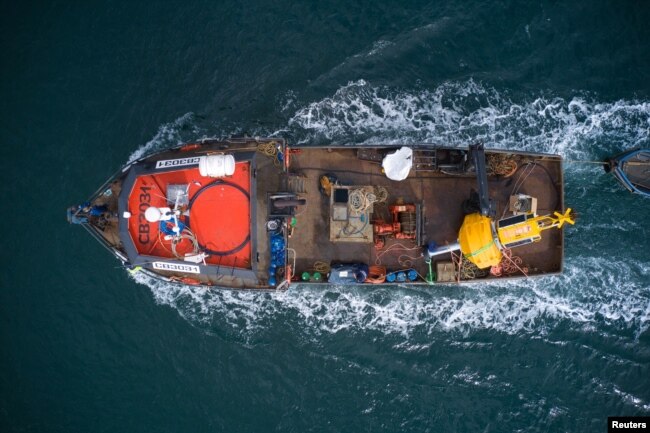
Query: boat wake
[[169, 135], [595, 293], [577, 298], [461, 113]]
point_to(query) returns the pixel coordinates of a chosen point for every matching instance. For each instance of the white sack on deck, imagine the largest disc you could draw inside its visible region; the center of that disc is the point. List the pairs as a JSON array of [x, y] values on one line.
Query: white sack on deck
[[397, 165]]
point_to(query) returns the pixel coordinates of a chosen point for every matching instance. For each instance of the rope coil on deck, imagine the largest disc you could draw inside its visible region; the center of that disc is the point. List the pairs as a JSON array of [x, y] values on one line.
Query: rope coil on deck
[[510, 264], [360, 200], [270, 149], [376, 275], [501, 165], [188, 235], [321, 267]]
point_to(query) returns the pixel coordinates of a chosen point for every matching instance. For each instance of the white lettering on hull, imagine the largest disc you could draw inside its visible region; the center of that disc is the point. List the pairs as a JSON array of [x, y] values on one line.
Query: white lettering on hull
[[166, 163], [176, 267]]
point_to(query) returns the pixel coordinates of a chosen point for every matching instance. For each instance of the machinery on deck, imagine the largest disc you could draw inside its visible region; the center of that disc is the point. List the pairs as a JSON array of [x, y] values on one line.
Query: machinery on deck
[[406, 224]]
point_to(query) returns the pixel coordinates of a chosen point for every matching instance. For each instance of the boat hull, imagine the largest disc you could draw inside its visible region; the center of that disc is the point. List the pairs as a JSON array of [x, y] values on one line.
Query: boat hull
[[271, 225], [632, 170]]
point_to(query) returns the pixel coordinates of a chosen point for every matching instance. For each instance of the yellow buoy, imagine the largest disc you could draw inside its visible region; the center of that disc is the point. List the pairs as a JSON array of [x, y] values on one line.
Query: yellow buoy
[[477, 242]]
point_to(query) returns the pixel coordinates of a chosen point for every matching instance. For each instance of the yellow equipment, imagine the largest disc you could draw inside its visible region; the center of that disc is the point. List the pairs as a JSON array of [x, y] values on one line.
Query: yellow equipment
[[477, 241], [326, 185], [525, 229], [482, 246]]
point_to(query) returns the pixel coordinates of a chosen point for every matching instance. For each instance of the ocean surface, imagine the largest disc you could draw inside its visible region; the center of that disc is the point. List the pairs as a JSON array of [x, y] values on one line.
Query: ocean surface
[[86, 86]]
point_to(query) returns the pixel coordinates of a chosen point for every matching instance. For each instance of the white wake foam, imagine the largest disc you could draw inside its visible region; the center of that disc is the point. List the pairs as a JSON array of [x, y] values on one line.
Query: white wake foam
[[587, 295], [459, 113], [169, 135]]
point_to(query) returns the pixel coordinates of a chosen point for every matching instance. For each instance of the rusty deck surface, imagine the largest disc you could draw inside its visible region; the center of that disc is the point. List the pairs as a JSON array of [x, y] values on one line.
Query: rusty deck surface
[[441, 196]]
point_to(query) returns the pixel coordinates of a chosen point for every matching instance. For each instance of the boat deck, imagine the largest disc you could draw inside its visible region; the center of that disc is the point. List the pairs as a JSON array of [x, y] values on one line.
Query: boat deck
[[441, 196], [225, 233], [320, 234]]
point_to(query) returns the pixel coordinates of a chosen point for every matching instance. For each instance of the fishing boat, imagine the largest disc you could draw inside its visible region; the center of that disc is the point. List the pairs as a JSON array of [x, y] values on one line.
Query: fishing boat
[[258, 214], [632, 169]]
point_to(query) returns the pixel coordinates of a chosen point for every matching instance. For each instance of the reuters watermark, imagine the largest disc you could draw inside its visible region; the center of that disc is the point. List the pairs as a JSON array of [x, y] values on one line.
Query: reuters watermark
[[628, 424]]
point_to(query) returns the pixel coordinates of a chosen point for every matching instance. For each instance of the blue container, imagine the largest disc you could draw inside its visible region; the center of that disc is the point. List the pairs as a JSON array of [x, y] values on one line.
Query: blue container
[[272, 280], [278, 256], [401, 277], [348, 273], [412, 275], [278, 251], [390, 277]]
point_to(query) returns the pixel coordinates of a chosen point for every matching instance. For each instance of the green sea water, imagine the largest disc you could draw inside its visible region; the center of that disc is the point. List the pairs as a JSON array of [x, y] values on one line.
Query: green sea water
[[86, 86]]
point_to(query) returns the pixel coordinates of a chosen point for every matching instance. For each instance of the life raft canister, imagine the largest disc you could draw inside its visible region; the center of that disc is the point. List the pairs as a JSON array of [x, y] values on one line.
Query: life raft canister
[[217, 165]]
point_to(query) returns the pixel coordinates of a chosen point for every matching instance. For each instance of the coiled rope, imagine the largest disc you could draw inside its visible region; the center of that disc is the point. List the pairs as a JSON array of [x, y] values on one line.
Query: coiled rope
[[360, 200], [321, 267], [270, 149], [376, 274], [510, 264], [185, 234], [501, 165], [381, 193]]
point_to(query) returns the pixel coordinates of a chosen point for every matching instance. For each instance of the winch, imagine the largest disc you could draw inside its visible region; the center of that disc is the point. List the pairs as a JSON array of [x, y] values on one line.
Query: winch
[[405, 225]]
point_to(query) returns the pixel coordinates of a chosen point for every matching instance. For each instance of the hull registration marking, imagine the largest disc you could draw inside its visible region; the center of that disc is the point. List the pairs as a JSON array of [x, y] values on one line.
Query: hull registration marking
[[166, 163], [178, 267]]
